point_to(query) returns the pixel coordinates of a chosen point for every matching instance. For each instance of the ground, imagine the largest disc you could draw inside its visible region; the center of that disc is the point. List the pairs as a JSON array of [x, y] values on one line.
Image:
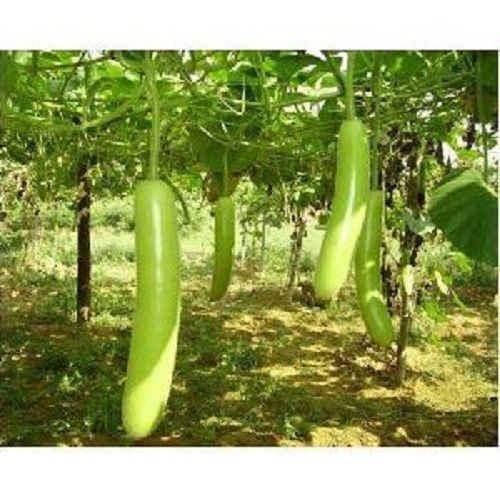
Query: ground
[[252, 369]]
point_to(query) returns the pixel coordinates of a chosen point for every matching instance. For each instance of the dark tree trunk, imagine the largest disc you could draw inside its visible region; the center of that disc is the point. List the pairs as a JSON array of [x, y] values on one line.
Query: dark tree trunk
[[296, 250], [83, 282], [470, 134], [390, 284], [389, 276], [439, 153]]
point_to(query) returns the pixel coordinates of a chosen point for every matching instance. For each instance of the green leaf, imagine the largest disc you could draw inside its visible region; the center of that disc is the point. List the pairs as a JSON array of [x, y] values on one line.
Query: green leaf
[[488, 79], [8, 73], [330, 121], [292, 97], [433, 311], [50, 58], [419, 225], [466, 210], [211, 153], [488, 75], [110, 69], [289, 64]]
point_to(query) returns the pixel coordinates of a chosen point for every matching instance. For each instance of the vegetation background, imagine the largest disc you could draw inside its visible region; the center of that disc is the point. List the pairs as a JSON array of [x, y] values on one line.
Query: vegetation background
[[268, 364]]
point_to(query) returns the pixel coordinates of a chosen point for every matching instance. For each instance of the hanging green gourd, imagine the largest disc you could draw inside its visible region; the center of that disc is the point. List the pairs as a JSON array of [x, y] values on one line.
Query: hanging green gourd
[[224, 239], [155, 328], [349, 200], [367, 261]]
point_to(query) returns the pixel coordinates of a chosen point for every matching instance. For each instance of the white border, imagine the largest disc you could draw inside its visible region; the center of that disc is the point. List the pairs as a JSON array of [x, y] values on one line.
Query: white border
[[249, 473], [240, 474], [259, 24]]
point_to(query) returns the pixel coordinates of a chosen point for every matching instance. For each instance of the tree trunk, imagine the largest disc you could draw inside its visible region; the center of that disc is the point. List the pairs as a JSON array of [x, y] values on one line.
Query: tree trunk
[[253, 246], [410, 245], [470, 133], [83, 283], [404, 332], [263, 243], [296, 250], [389, 276], [243, 251], [34, 236], [389, 282]]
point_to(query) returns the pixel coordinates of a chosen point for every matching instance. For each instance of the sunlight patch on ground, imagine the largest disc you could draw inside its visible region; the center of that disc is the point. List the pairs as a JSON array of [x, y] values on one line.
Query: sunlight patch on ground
[[346, 436], [448, 384], [283, 371]]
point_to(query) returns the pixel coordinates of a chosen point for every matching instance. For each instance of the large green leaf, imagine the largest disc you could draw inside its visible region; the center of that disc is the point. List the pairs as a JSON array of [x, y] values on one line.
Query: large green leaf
[[8, 73], [466, 210], [488, 79], [288, 65], [211, 153]]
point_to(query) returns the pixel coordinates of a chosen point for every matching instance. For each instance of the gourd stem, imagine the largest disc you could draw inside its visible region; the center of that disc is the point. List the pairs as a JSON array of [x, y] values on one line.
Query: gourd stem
[[349, 90], [376, 120], [225, 176], [481, 115], [484, 138], [154, 138]]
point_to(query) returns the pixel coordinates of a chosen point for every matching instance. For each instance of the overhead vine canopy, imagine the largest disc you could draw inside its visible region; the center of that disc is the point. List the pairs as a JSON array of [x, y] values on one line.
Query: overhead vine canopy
[[274, 115], [257, 104]]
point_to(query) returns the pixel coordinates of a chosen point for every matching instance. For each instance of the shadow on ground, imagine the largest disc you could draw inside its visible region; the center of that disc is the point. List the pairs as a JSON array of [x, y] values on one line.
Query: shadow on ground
[[253, 370]]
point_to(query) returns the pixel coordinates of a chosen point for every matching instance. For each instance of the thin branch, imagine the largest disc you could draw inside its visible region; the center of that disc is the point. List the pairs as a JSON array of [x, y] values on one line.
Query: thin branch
[[86, 62]]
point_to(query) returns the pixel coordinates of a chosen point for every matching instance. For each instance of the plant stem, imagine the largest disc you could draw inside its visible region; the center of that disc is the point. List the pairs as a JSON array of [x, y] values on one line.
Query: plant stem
[[410, 244], [86, 62], [34, 62], [225, 175], [296, 250], [263, 244], [481, 115], [178, 195], [376, 120], [349, 91], [154, 141], [84, 261], [484, 142], [265, 93], [402, 341], [335, 71]]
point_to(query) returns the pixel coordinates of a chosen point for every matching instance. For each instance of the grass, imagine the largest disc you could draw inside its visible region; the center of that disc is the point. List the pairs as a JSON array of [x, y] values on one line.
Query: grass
[[251, 370]]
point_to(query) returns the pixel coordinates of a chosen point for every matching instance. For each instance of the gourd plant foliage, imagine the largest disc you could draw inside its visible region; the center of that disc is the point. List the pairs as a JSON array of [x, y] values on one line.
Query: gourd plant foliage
[[466, 210], [251, 109], [67, 106]]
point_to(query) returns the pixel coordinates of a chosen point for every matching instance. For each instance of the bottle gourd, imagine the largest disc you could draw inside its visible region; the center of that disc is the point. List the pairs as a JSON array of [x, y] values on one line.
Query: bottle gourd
[[156, 320], [348, 212], [367, 270]]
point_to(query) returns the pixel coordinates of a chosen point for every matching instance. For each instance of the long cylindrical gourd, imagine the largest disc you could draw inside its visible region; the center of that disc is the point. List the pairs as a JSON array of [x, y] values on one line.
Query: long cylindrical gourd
[[156, 320], [348, 213], [224, 245], [367, 269]]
